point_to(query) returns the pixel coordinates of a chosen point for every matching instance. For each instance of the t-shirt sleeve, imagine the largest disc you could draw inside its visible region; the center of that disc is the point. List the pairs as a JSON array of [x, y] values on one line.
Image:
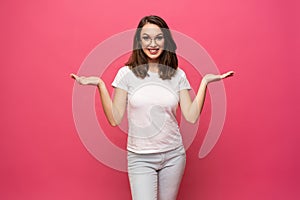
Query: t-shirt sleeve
[[121, 79], [183, 81]]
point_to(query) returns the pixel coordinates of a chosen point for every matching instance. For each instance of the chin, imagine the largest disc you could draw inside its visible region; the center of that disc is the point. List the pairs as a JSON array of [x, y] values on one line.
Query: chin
[[153, 58]]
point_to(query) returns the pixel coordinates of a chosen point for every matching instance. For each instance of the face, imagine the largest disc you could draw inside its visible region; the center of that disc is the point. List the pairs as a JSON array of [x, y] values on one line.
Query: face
[[152, 41]]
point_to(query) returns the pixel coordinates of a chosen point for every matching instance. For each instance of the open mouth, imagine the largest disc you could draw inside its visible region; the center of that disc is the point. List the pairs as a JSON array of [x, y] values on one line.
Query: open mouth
[[153, 51]]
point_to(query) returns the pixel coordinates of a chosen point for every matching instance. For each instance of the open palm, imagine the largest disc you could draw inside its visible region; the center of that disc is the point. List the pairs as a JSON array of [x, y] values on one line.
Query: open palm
[[208, 78], [91, 80]]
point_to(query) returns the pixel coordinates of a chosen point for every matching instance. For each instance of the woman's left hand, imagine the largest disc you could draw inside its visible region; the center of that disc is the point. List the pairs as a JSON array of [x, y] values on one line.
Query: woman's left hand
[[91, 80], [208, 78]]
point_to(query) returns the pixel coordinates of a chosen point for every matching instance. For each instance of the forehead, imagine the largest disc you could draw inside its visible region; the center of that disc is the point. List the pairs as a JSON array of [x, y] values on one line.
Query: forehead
[[151, 29]]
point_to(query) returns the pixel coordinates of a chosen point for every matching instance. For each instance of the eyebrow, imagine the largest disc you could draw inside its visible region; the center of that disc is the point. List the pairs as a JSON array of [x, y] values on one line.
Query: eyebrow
[[155, 36]]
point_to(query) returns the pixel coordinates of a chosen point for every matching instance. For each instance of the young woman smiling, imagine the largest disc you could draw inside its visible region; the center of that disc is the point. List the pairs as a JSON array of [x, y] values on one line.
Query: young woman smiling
[[151, 86]]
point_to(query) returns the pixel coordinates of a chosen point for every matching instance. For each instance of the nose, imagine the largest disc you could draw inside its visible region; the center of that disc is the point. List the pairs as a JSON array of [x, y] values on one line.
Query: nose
[[152, 43]]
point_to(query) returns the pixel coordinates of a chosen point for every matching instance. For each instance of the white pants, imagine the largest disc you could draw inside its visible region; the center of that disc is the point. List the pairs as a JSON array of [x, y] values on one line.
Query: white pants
[[156, 176]]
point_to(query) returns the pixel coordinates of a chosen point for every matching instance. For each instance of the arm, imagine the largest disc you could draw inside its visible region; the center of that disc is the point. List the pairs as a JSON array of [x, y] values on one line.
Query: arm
[[113, 109], [192, 109]]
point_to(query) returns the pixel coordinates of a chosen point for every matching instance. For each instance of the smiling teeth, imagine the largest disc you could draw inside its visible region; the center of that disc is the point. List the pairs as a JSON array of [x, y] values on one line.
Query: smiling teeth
[[153, 50]]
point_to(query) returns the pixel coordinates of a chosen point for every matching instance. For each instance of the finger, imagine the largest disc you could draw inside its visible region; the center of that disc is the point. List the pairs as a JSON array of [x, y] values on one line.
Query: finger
[[228, 74], [74, 76], [231, 73]]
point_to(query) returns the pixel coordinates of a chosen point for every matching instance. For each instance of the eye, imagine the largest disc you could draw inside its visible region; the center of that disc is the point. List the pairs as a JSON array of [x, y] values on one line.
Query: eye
[[146, 38], [159, 38]]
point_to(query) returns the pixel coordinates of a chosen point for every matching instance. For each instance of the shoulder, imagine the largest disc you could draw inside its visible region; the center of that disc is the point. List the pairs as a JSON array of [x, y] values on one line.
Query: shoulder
[[124, 69], [182, 80], [180, 72], [122, 77]]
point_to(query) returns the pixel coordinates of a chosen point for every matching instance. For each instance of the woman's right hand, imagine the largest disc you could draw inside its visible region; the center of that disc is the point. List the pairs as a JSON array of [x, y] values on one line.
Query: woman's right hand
[[91, 80]]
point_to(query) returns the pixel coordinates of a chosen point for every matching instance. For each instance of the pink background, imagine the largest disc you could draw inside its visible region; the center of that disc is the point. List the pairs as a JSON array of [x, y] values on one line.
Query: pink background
[[257, 156]]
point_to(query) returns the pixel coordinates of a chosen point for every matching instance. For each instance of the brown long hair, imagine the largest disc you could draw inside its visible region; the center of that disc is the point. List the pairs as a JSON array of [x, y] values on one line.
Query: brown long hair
[[168, 62]]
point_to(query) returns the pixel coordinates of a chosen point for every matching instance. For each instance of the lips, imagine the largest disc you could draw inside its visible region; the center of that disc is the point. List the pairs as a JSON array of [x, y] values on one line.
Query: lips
[[153, 51]]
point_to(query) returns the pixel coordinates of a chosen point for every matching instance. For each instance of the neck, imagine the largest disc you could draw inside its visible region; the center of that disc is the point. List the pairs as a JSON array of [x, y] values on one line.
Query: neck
[[153, 66]]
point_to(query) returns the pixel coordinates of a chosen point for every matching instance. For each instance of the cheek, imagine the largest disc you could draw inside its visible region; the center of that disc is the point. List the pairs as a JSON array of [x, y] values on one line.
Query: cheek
[[162, 45], [144, 49], [142, 45]]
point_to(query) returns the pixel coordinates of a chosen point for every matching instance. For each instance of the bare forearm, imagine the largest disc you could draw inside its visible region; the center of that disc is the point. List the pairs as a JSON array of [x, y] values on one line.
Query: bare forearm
[[192, 109], [197, 105], [107, 105]]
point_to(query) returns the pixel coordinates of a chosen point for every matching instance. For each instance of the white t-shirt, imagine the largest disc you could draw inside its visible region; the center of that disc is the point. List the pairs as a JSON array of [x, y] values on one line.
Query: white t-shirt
[[151, 109]]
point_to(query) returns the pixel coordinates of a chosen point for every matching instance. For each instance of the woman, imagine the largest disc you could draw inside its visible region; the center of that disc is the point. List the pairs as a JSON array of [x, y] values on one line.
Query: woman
[[151, 86]]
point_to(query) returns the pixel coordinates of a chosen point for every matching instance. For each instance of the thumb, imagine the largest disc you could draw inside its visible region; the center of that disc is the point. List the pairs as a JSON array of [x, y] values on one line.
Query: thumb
[[74, 76]]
